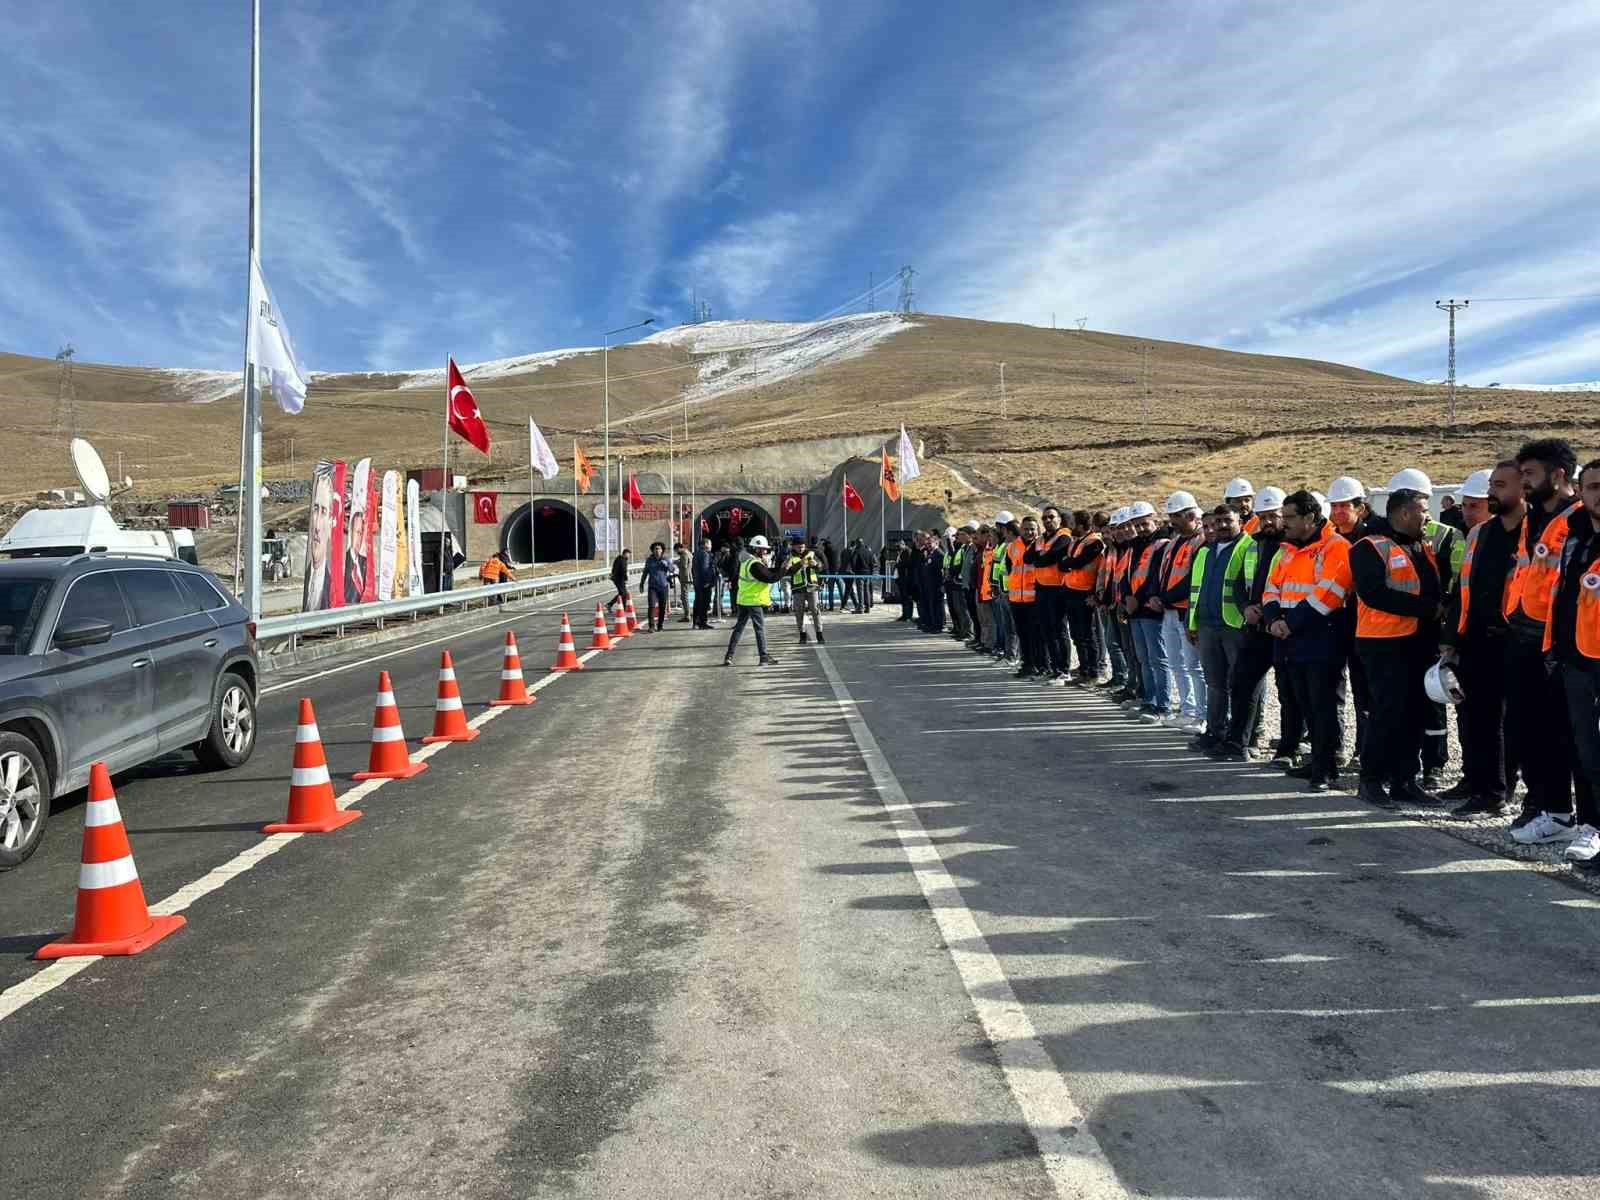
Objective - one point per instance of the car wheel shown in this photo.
(233, 725)
(24, 799)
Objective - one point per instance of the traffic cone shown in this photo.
(111, 917)
(619, 625)
(512, 689)
(388, 759)
(311, 805)
(566, 652)
(600, 640)
(633, 621)
(449, 721)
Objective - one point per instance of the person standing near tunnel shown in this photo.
(756, 575)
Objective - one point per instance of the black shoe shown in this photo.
(1478, 806)
(1433, 782)
(1459, 790)
(1410, 793)
(1371, 792)
(727, 662)
(1204, 743)
(1303, 771)
(821, 641)
(768, 661)
(1233, 752)
(804, 637)
(1320, 785)
(1023, 674)
(1284, 759)
(1527, 814)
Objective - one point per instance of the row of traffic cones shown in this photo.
(112, 917)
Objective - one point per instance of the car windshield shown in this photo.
(21, 602)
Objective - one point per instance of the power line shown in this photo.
(1533, 299)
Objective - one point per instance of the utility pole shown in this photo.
(1002, 391)
(908, 295)
(1082, 321)
(1451, 306)
(65, 413)
(1144, 406)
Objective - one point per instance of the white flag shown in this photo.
(272, 349)
(539, 453)
(908, 458)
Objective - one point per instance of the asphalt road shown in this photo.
(878, 921)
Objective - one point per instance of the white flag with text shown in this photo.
(908, 458)
(278, 367)
(539, 453)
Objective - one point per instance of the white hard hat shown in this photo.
(1119, 517)
(972, 525)
(1346, 487)
(1179, 502)
(1004, 517)
(1322, 502)
(949, 531)
(1141, 508)
(760, 543)
(1411, 480)
(1270, 499)
(1442, 685)
(1237, 488)
(1477, 486)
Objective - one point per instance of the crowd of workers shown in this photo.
(1182, 615)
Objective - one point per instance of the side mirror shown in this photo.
(83, 633)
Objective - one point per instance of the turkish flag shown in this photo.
(852, 498)
(632, 496)
(790, 508)
(486, 508)
(464, 416)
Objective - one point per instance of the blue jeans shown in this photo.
(753, 615)
(1184, 660)
(1153, 663)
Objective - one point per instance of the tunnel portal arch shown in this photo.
(736, 517)
(545, 527)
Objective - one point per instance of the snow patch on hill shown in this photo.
(204, 387)
(1592, 385)
(522, 364)
(744, 354)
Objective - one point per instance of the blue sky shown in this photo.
(490, 177)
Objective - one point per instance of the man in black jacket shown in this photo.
(706, 582)
(1401, 599)
(1573, 632)
(619, 579)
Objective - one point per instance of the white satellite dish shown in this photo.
(91, 471)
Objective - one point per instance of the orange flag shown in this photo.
(582, 468)
(886, 478)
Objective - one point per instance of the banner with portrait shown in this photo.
(324, 581)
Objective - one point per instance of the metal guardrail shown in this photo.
(291, 626)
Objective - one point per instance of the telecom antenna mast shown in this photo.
(66, 405)
(908, 296)
(1451, 306)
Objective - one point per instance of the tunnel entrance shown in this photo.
(736, 517)
(544, 531)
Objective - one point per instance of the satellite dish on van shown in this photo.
(91, 471)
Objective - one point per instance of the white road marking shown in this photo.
(1072, 1156)
(1423, 1081)
(20, 995)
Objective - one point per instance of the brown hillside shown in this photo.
(1077, 426)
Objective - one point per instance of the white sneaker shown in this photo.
(1059, 681)
(1194, 725)
(1584, 846)
(1173, 720)
(1151, 718)
(1544, 828)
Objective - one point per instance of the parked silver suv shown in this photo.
(119, 660)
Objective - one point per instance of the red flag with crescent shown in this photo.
(486, 508)
(790, 508)
(852, 498)
(634, 499)
(464, 416)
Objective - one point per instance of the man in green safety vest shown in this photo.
(1216, 622)
(757, 574)
(805, 581)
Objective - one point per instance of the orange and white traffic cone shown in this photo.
(512, 689)
(633, 621)
(449, 719)
(111, 917)
(619, 625)
(388, 759)
(566, 652)
(600, 640)
(311, 805)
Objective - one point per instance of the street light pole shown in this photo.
(605, 360)
(1002, 391)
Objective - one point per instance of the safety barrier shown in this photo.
(290, 627)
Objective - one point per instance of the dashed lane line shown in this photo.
(19, 996)
(1072, 1156)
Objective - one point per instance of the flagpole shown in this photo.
(533, 548)
(575, 546)
(672, 492)
(444, 478)
(248, 538)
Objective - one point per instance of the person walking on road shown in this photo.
(656, 580)
(805, 581)
(757, 574)
(619, 579)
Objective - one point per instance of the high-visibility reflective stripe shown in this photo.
(514, 673)
(1297, 588)
(385, 700)
(1433, 733)
(307, 733)
(309, 776)
(447, 704)
(102, 812)
(447, 673)
(1330, 586)
(115, 873)
(388, 733)
(1324, 609)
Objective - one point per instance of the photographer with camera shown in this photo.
(757, 573)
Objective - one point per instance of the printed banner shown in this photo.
(324, 585)
(414, 532)
(402, 543)
(360, 580)
(388, 535)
